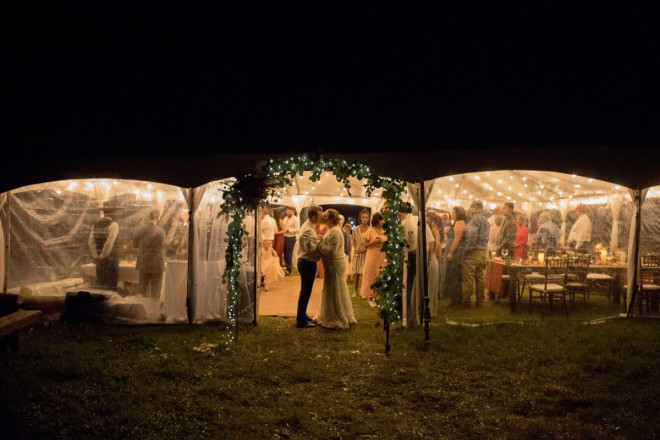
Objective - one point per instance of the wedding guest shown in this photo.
(474, 261)
(547, 234)
(176, 242)
(506, 239)
(278, 243)
(375, 259)
(359, 251)
(433, 264)
(268, 225)
(270, 265)
(446, 223)
(579, 238)
(101, 244)
(438, 232)
(291, 230)
(495, 221)
(522, 236)
(347, 241)
(454, 255)
(150, 239)
(414, 300)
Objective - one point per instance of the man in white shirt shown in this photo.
(291, 230)
(101, 244)
(308, 255)
(580, 236)
(409, 224)
(268, 225)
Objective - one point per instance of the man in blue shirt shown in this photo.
(474, 261)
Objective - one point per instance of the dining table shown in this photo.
(516, 270)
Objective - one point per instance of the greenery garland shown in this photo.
(250, 191)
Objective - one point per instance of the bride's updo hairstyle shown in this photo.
(333, 217)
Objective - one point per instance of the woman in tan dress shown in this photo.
(359, 251)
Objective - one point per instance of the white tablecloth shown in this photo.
(175, 288)
(175, 285)
(127, 271)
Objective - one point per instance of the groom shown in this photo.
(308, 255)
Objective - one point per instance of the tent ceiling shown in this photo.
(532, 189)
(326, 191)
(633, 168)
(104, 189)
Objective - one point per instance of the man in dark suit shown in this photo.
(150, 240)
(101, 244)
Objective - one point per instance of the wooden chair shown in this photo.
(600, 281)
(577, 284)
(649, 289)
(553, 286)
(528, 280)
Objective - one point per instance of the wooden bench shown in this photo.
(12, 323)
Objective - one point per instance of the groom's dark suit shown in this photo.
(308, 255)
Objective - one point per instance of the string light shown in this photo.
(246, 193)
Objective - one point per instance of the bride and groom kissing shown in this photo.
(336, 309)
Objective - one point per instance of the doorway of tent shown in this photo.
(279, 289)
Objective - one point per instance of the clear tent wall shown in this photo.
(48, 259)
(46, 229)
(609, 206)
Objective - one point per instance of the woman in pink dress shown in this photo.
(374, 260)
(522, 235)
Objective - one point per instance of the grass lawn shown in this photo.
(523, 376)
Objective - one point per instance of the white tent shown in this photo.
(610, 206)
(47, 230)
(46, 227)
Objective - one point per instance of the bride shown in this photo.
(336, 308)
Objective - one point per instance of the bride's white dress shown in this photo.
(336, 307)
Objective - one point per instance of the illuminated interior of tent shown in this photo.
(279, 293)
(48, 236)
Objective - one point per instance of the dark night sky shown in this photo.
(96, 80)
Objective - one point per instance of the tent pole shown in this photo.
(7, 243)
(257, 275)
(425, 269)
(386, 327)
(191, 255)
(638, 226)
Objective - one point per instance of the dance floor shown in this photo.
(282, 298)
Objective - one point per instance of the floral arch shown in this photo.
(250, 191)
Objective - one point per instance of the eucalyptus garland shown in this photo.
(250, 191)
